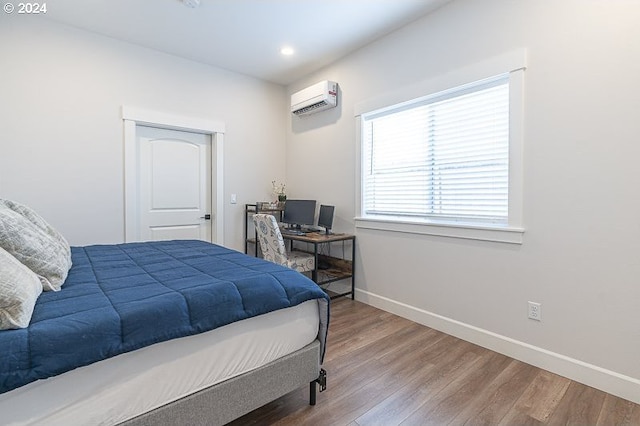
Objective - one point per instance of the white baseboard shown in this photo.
(591, 375)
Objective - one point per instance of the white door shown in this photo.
(174, 185)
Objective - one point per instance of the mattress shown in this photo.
(119, 388)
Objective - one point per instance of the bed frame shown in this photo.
(233, 398)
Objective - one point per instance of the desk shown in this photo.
(339, 269)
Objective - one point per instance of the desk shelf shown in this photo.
(339, 269)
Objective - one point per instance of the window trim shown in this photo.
(512, 63)
(500, 234)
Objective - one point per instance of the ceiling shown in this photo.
(246, 36)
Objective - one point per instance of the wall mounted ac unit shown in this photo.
(320, 96)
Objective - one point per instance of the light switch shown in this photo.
(234, 199)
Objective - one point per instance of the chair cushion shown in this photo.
(301, 261)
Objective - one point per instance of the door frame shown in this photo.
(133, 117)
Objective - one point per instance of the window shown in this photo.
(446, 160)
(445, 157)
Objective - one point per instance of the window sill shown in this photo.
(501, 234)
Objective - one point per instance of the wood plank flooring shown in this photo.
(386, 370)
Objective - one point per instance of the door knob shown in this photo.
(206, 217)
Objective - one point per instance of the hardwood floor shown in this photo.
(386, 370)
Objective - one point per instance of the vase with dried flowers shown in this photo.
(279, 190)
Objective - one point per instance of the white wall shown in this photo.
(581, 252)
(61, 138)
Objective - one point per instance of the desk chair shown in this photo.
(274, 249)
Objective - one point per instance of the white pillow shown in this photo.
(42, 224)
(28, 238)
(19, 290)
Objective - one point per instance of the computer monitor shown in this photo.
(299, 212)
(325, 217)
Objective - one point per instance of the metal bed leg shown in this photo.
(322, 381)
(312, 393)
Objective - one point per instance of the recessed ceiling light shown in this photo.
(287, 51)
(191, 3)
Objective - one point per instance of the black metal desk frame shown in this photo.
(342, 268)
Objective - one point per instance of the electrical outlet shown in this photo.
(535, 311)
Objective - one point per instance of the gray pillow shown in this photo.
(31, 240)
(19, 290)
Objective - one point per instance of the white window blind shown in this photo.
(444, 157)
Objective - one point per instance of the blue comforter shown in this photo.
(118, 298)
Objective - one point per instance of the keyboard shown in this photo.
(303, 231)
(293, 232)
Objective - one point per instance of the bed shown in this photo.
(169, 332)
